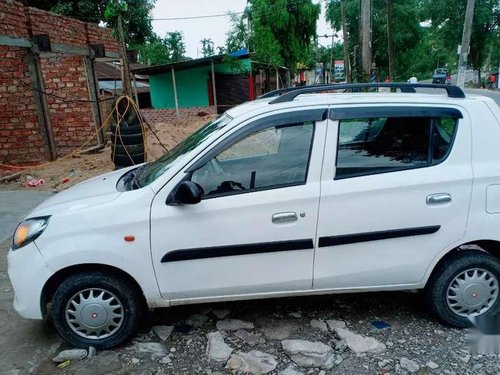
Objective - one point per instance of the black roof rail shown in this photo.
(291, 94)
(278, 92)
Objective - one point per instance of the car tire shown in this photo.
(72, 314)
(458, 281)
(126, 129)
(125, 160)
(127, 139)
(119, 149)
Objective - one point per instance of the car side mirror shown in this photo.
(187, 192)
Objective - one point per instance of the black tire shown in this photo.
(447, 271)
(128, 114)
(127, 129)
(126, 292)
(119, 149)
(127, 139)
(124, 160)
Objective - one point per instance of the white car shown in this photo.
(295, 194)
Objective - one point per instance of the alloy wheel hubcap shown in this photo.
(94, 313)
(472, 292)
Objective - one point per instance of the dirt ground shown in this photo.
(81, 167)
(410, 334)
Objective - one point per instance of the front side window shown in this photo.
(379, 145)
(276, 156)
(153, 170)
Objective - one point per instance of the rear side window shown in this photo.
(381, 145)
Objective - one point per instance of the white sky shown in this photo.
(195, 30)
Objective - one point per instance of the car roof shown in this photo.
(263, 105)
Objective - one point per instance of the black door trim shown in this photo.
(345, 239)
(393, 111)
(233, 250)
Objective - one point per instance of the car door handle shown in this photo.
(284, 217)
(438, 198)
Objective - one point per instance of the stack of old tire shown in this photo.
(127, 138)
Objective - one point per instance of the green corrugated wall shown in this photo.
(192, 87)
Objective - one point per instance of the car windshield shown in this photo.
(440, 71)
(153, 170)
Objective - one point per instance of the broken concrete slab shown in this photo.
(360, 344)
(253, 362)
(309, 354)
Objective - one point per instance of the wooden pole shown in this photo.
(277, 79)
(347, 60)
(175, 93)
(464, 50)
(94, 96)
(41, 104)
(135, 89)
(366, 50)
(390, 41)
(127, 87)
(213, 86)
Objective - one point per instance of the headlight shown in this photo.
(28, 231)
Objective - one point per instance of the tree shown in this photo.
(207, 47)
(136, 22)
(282, 30)
(407, 35)
(176, 47)
(154, 52)
(238, 35)
(446, 23)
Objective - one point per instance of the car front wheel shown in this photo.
(463, 286)
(96, 309)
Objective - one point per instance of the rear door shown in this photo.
(395, 192)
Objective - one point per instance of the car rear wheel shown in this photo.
(465, 285)
(96, 309)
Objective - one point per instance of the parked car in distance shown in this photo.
(441, 76)
(296, 193)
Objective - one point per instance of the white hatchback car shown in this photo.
(296, 193)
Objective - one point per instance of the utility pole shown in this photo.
(347, 62)
(464, 49)
(127, 87)
(390, 41)
(366, 48)
(332, 63)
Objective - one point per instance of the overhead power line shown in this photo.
(196, 17)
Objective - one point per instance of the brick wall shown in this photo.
(72, 121)
(22, 140)
(154, 116)
(12, 19)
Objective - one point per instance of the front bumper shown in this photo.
(28, 273)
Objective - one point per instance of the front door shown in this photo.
(395, 193)
(254, 230)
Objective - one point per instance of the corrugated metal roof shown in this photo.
(111, 71)
(117, 86)
(188, 64)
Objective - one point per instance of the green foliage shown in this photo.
(154, 52)
(282, 30)
(207, 47)
(176, 47)
(407, 34)
(136, 14)
(163, 50)
(238, 35)
(426, 34)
